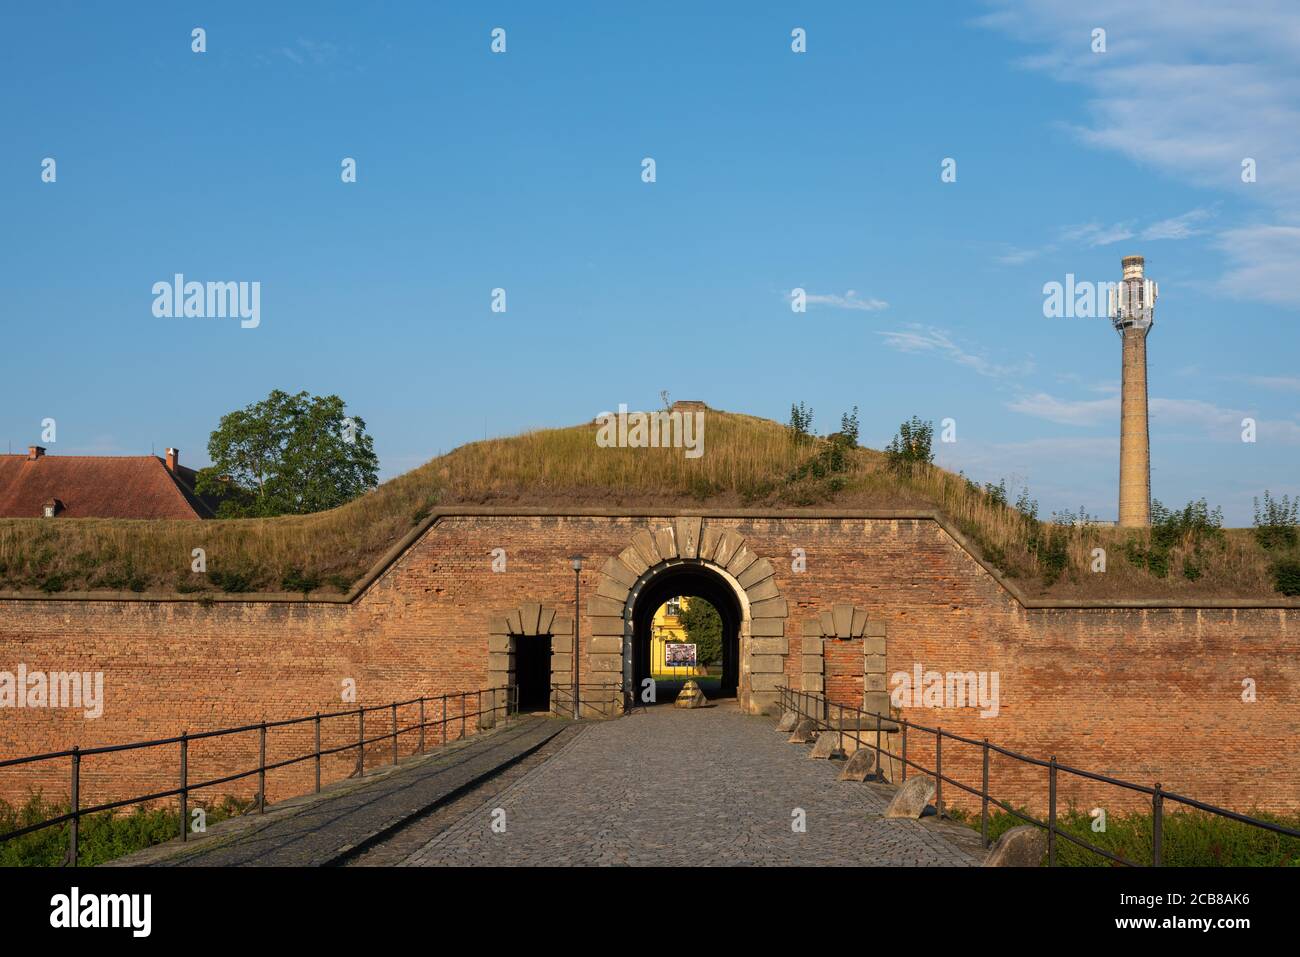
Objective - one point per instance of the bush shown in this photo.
(1286, 576)
(1275, 522)
(295, 580)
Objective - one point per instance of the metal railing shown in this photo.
(450, 717)
(804, 702)
(592, 697)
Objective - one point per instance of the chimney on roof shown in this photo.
(173, 459)
(34, 452)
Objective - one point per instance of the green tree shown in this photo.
(912, 444)
(703, 627)
(800, 427)
(288, 455)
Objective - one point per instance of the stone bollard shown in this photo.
(804, 733)
(1022, 846)
(827, 746)
(859, 766)
(788, 722)
(912, 799)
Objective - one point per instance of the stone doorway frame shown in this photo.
(506, 629)
(764, 645)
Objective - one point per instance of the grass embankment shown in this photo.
(100, 837)
(1188, 839)
(747, 462)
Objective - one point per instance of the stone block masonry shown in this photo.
(1141, 690)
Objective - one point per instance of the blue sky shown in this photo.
(775, 170)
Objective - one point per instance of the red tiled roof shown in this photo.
(93, 486)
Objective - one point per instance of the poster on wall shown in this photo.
(679, 655)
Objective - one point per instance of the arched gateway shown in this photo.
(683, 556)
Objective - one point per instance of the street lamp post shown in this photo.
(577, 633)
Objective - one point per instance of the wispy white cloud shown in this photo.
(1095, 234)
(1177, 227)
(1191, 89)
(850, 300)
(1214, 421)
(917, 338)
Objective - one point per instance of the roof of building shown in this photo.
(98, 486)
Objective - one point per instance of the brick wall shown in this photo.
(1143, 693)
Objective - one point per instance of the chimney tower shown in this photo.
(1132, 312)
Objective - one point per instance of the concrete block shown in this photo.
(666, 541)
(688, 536)
(615, 569)
(772, 608)
(761, 570)
(767, 628)
(763, 590)
(813, 682)
(813, 646)
(859, 622)
(873, 646)
(875, 628)
(771, 681)
(812, 664)
(842, 619)
(874, 664)
(769, 646)
(605, 645)
(766, 664)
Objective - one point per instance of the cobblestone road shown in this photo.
(675, 787)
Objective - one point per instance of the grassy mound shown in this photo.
(747, 462)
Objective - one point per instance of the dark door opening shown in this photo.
(533, 672)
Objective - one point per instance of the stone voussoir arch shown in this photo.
(764, 645)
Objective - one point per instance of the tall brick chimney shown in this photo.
(34, 452)
(1132, 311)
(173, 459)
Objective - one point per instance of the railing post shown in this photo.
(1051, 812)
(938, 771)
(185, 785)
(361, 741)
(73, 831)
(444, 719)
(1157, 827)
(478, 717)
(261, 768)
(903, 756)
(880, 775)
(422, 724)
(317, 728)
(984, 798)
(394, 732)
(462, 715)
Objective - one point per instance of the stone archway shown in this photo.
(763, 645)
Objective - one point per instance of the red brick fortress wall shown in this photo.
(1144, 693)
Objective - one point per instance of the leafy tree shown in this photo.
(288, 455)
(703, 627)
(912, 444)
(1275, 523)
(849, 428)
(800, 427)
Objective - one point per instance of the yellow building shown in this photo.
(667, 627)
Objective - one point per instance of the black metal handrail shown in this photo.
(462, 715)
(801, 703)
(563, 693)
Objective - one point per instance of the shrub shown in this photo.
(1275, 522)
(1286, 576)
